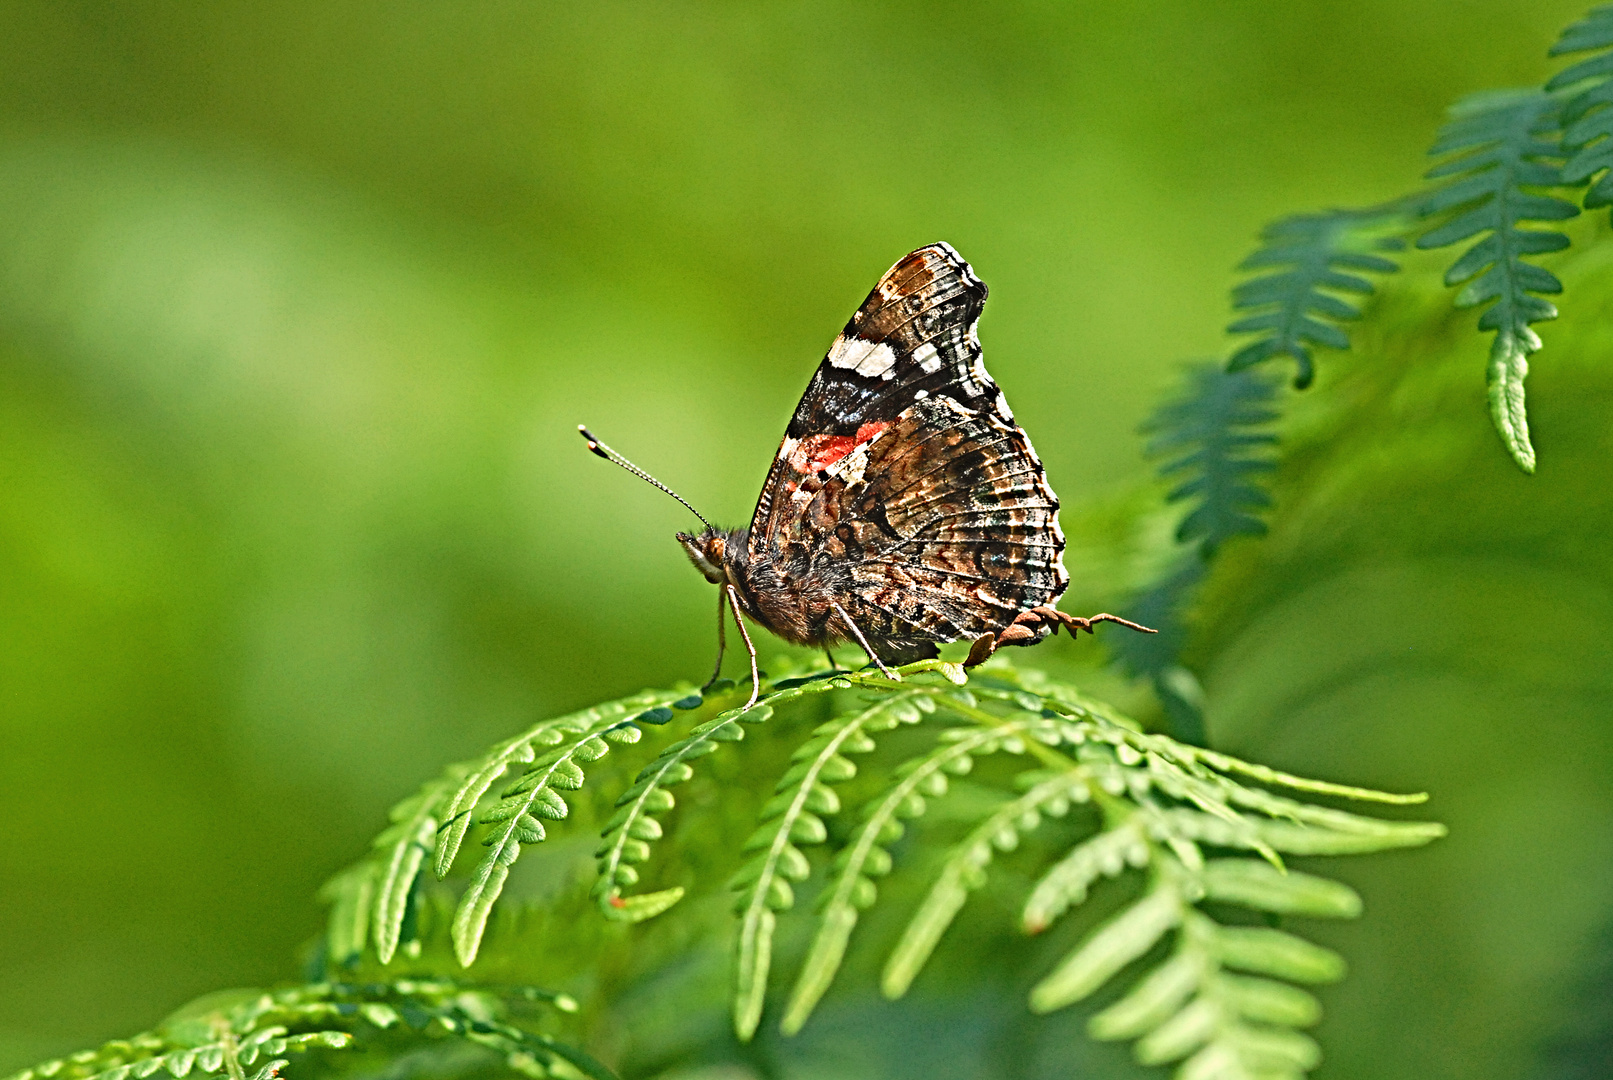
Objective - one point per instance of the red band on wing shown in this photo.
(817, 452)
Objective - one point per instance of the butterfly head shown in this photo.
(709, 552)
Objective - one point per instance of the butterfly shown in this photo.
(905, 507)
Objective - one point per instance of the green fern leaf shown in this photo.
(852, 888)
(403, 848)
(1321, 255)
(351, 895)
(1212, 440)
(558, 769)
(1066, 884)
(964, 869)
(222, 1035)
(440, 815)
(803, 792)
(1216, 447)
(1506, 144)
(1113, 945)
(515, 820)
(1190, 1007)
(627, 835)
(1587, 120)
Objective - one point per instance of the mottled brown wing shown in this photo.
(941, 526)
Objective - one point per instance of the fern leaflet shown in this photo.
(1506, 144)
(1212, 435)
(1317, 252)
(1223, 1001)
(853, 888)
(1587, 120)
(1216, 447)
(629, 833)
(1172, 809)
(789, 820)
(224, 1034)
(371, 901)
(964, 870)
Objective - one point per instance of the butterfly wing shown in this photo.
(903, 490)
(914, 336)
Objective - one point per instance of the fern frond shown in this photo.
(1506, 144)
(964, 868)
(225, 1034)
(789, 821)
(1587, 120)
(1319, 256)
(1164, 806)
(629, 833)
(371, 901)
(1190, 1006)
(1214, 439)
(852, 888)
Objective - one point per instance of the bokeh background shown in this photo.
(300, 304)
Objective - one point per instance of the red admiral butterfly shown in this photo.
(905, 507)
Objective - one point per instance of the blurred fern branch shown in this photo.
(1506, 145)
(1216, 444)
(1319, 256)
(225, 1034)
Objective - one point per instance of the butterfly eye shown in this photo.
(706, 554)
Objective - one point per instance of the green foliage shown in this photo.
(1587, 120)
(370, 902)
(1315, 253)
(627, 835)
(1163, 805)
(1216, 446)
(1172, 811)
(791, 819)
(1213, 440)
(1506, 144)
(227, 1033)
(1503, 149)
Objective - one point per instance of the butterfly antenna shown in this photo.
(608, 454)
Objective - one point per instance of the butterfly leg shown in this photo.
(722, 641)
(1032, 626)
(867, 648)
(739, 621)
(831, 657)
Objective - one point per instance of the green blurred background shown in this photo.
(300, 305)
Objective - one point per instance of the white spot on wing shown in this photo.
(920, 395)
(929, 360)
(1002, 407)
(874, 360)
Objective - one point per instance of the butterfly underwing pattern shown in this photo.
(905, 507)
